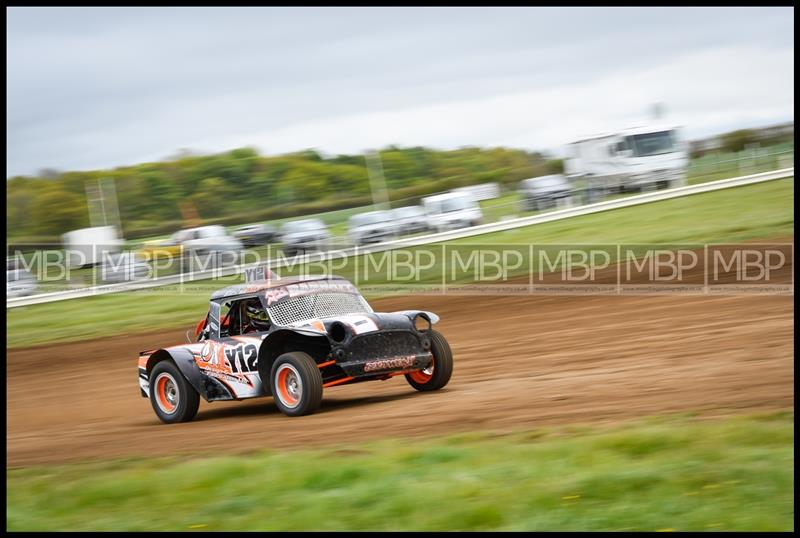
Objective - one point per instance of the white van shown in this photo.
(452, 210)
(88, 246)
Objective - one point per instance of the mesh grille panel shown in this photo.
(320, 305)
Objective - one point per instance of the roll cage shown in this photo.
(224, 317)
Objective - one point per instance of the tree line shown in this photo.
(242, 186)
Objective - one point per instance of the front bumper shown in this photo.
(384, 352)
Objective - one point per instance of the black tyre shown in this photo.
(438, 374)
(296, 384)
(172, 397)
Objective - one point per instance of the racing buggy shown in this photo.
(290, 338)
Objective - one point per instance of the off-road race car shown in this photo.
(290, 338)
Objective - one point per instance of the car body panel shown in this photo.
(371, 227)
(20, 282)
(411, 219)
(254, 235)
(451, 211)
(545, 191)
(304, 234)
(348, 346)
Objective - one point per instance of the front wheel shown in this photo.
(438, 373)
(296, 384)
(172, 397)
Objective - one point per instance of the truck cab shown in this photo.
(635, 159)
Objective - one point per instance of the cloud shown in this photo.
(91, 88)
(701, 92)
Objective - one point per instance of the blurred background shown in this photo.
(146, 143)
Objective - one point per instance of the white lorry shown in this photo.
(639, 158)
(90, 246)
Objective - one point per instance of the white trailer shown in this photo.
(640, 158)
(90, 246)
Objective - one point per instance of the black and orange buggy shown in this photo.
(290, 338)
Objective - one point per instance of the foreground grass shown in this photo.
(753, 212)
(676, 473)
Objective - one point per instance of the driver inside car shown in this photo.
(255, 317)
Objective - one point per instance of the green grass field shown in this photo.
(663, 473)
(717, 166)
(760, 211)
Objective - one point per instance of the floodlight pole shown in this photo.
(108, 208)
(377, 182)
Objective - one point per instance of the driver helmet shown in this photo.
(257, 316)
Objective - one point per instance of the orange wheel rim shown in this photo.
(166, 393)
(423, 376)
(289, 386)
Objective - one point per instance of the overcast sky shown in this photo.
(94, 88)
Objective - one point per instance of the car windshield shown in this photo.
(457, 204)
(303, 226)
(373, 217)
(651, 143)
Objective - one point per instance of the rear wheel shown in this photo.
(296, 384)
(438, 373)
(172, 397)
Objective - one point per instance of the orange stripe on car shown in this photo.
(337, 382)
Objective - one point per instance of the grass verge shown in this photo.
(663, 473)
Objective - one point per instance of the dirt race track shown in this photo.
(520, 362)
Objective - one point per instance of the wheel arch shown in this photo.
(286, 340)
(184, 360)
(425, 314)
